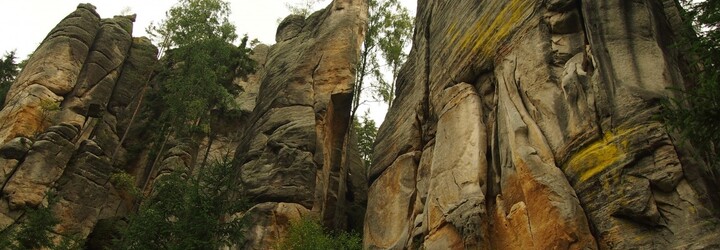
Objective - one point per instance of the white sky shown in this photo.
(24, 23)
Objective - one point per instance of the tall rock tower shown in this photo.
(295, 155)
(530, 125)
(63, 120)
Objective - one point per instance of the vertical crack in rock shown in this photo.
(424, 132)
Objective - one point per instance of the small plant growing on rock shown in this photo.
(125, 183)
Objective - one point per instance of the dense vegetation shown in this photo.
(200, 61)
(696, 114)
(191, 208)
(366, 132)
(188, 212)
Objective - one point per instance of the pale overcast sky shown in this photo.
(24, 23)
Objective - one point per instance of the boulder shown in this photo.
(16, 148)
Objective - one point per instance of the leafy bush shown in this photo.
(308, 234)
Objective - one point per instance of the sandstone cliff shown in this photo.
(75, 117)
(517, 125)
(294, 155)
(64, 118)
(529, 125)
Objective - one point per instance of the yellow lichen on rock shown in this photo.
(600, 155)
(487, 33)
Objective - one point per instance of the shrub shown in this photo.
(307, 234)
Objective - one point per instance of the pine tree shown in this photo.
(8, 71)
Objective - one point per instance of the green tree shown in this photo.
(34, 233)
(8, 71)
(368, 64)
(194, 21)
(366, 133)
(394, 34)
(200, 62)
(188, 212)
(696, 113)
(389, 30)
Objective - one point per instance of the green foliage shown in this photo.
(389, 32)
(35, 232)
(47, 107)
(8, 71)
(366, 133)
(188, 212)
(395, 31)
(696, 114)
(193, 21)
(200, 63)
(125, 182)
(308, 234)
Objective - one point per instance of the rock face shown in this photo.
(75, 118)
(293, 149)
(529, 125)
(517, 125)
(64, 118)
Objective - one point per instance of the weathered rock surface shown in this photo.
(294, 147)
(74, 118)
(57, 136)
(271, 221)
(529, 125)
(517, 125)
